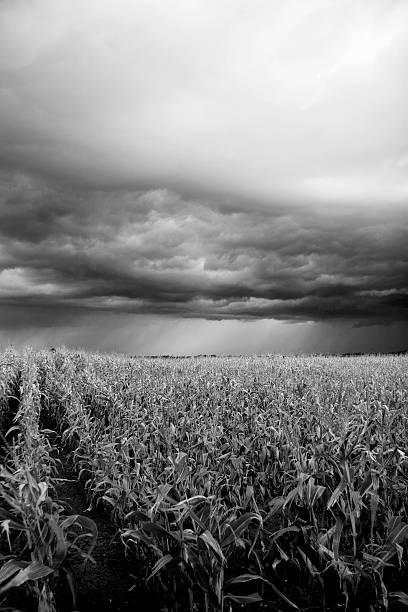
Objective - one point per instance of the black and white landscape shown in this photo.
(203, 305)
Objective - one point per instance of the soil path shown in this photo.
(104, 585)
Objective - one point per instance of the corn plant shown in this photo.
(37, 538)
(314, 447)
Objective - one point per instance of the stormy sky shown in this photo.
(217, 176)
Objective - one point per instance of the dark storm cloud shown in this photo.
(157, 253)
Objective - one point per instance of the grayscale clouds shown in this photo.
(154, 252)
(204, 161)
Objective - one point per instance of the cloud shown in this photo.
(156, 252)
(216, 163)
(289, 101)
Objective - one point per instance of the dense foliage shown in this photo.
(263, 482)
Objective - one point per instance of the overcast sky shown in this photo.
(220, 176)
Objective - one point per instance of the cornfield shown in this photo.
(256, 483)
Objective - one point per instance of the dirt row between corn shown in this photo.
(106, 582)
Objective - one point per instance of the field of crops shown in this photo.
(261, 483)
